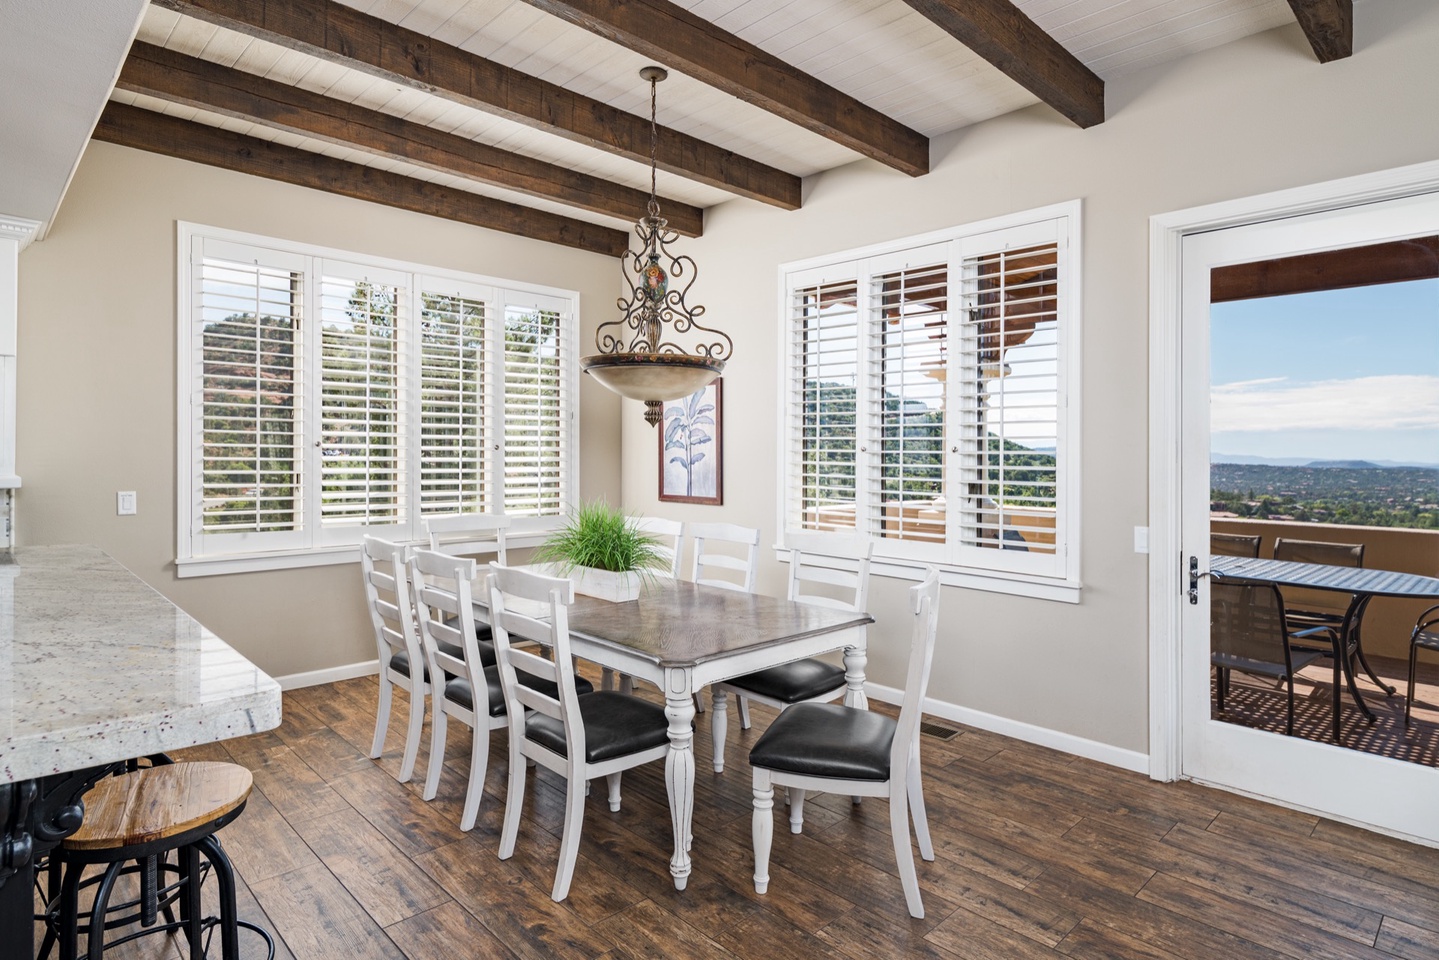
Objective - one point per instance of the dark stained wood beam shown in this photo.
(339, 34)
(1001, 33)
(167, 75)
(146, 130)
(676, 38)
(1328, 25)
(1396, 261)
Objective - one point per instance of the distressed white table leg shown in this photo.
(680, 769)
(855, 660)
(719, 723)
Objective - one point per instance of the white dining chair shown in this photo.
(469, 534)
(578, 736)
(837, 749)
(671, 537)
(445, 608)
(827, 570)
(707, 560)
(397, 645)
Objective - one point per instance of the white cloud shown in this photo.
(1364, 403)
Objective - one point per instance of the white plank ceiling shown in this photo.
(881, 52)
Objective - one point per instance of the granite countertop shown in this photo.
(96, 666)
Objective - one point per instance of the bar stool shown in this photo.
(132, 822)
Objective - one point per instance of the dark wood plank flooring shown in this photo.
(1039, 855)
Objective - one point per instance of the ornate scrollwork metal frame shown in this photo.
(656, 308)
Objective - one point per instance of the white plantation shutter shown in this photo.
(245, 339)
(907, 323)
(824, 376)
(362, 385)
(325, 397)
(928, 404)
(538, 363)
(1008, 470)
(453, 380)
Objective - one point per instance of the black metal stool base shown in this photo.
(63, 915)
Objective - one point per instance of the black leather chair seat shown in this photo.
(792, 682)
(827, 740)
(615, 725)
(458, 689)
(401, 661)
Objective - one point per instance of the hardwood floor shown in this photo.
(1038, 855)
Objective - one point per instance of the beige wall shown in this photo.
(96, 396)
(1254, 116)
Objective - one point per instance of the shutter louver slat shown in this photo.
(824, 406)
(536, 434)
(361, 403)
(452, 391)
(248, 336)
(1010, 353)
(909, 324)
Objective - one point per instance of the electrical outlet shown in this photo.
(125, 503)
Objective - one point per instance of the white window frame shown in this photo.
(991, 570)
(313, 545)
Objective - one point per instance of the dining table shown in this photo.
(1360, 583)
(97, 668)
(683, 636)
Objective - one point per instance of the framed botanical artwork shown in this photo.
(691, 448)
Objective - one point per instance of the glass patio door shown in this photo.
(1386, 793)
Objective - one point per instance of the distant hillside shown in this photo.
(1241, 458)
(1327, 491)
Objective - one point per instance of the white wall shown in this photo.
(1254, 116)
(97, 378)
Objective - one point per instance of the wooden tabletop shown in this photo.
(158, 802)
(682, 624)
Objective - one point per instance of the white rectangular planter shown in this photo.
(606, 585)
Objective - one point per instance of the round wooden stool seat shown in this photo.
(158, 802)
(135, 824)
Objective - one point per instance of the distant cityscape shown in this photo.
(1360, 492)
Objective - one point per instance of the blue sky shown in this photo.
(1344, 374)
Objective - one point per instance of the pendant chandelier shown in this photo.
(639, 357)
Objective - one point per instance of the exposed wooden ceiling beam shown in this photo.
(1001, 33)
(676, 38)
(1329, 25)
(1395, 261)
(146, 130)
(167, 75)
(339, 34)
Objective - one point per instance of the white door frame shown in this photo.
(1166, 583)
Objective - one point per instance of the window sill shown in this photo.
(990, 581)
(221, 565)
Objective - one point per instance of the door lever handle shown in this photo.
(1194, 574)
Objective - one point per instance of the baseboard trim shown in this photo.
(314, 678)
(1131, 760)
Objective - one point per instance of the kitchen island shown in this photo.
(97, 667)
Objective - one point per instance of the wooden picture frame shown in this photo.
(691, 445)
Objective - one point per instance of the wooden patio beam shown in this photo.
(1001, 33)
(175, 77)
(672, 36)
(339, 34)
(1328, 25)
(146, 130)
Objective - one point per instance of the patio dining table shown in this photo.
(1362, 585)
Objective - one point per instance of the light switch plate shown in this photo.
(125, 503)
(1141, 539)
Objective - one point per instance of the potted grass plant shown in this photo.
(603, 551)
